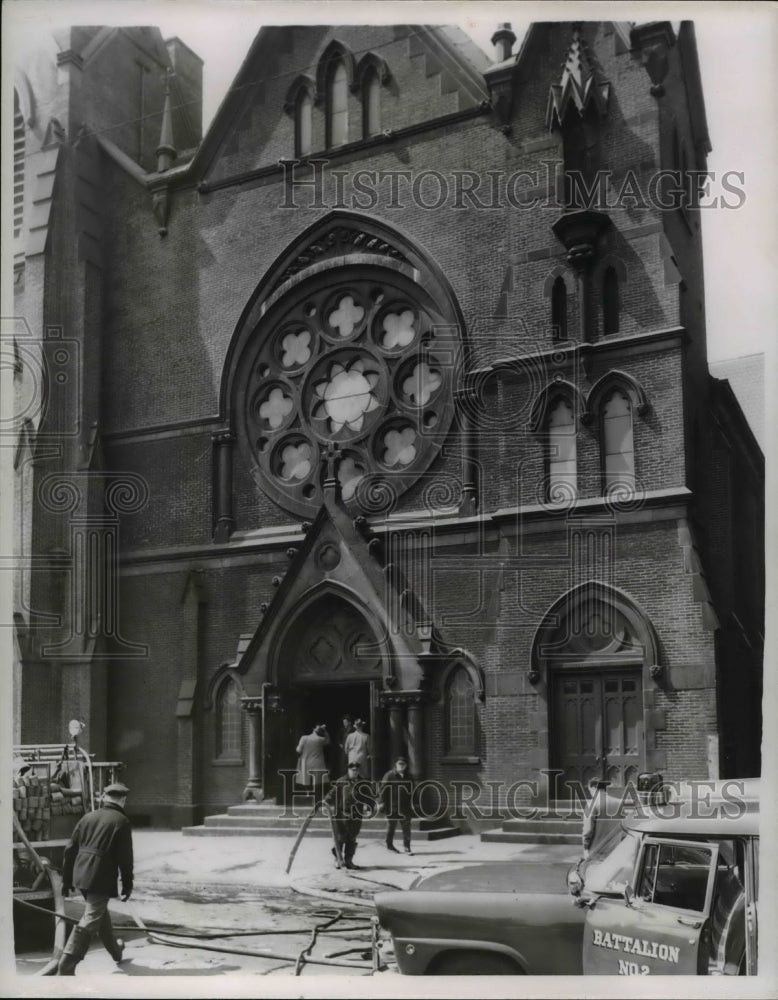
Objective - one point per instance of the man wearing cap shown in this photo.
(99, 850)
(350, 799)
(396, 795)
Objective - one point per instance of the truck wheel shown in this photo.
(474, 963)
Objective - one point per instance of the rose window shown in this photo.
(346, 316)
(362, 359)
(295, 461)
(350, 474)
(296, 349)
(276, 408)
(346, 396)
(399, 446)
(398, 329)
(422, 384)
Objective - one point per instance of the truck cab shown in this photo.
(689, 906)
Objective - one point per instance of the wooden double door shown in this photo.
(597, 728)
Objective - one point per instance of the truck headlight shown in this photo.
(575, 882)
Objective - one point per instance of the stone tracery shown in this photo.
(350, 361)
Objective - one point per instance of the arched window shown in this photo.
(559, 309)
(303, 123)
(371, 104)
(460, 714)
(19, 143)
(610, 302)
(337, 105)
(562, 480)
(229, 722)
(617, 444)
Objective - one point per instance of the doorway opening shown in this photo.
(329, 704)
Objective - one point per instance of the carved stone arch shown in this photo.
(460, 658)
(566, 274)
(567, 634)
(302, 84)
(303, 610)
(616, 379)
(371, 61)
(561, 389)
(335, 51)
(340, 234)
(226, 672)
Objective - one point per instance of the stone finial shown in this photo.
(578, 86)
(166, 151)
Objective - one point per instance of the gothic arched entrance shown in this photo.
(593, 654)
(329, 663)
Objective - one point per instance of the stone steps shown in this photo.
(556, 823)
(529, 837)
(268, 819)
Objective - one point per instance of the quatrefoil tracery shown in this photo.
(352, 363)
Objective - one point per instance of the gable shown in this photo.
(339, 562)
(425, 73)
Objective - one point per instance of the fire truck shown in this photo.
(671, 890)
(54, 784)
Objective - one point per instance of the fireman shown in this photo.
(99, 850)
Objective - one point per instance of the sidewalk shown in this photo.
(240, 884)
(169, 858)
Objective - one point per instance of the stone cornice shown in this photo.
(661, 339)
(653, 505)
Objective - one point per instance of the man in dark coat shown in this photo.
(350, 799)
(98, 851)
(396, 798)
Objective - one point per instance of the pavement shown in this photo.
(260, 918)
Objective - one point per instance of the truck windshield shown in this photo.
(611, 868)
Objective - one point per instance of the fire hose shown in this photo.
(186, 939)
(189, 939)
(299, 960)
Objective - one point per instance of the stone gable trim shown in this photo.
(340, 152)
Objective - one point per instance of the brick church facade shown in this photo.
(387, 396)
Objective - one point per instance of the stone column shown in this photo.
(253, 789)
(580, 233)
(394, 705)
(223, 442)
(416, 736)
(396, 740)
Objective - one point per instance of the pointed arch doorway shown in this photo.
(594, 652)
(329, 662)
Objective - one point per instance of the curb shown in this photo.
(308, 890)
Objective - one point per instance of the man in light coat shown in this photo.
(99, 850)
(311, 764)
